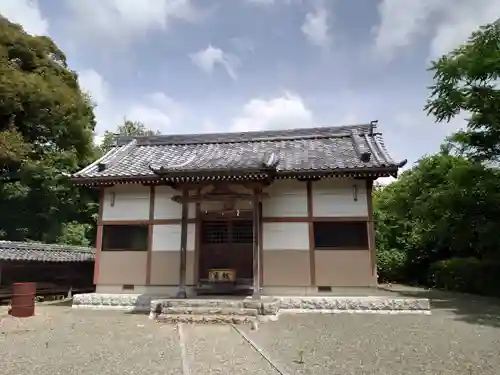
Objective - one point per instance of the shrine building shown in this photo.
(263, 213)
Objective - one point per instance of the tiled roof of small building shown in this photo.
(41, 252)
(296, 151)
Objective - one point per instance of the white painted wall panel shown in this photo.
(287, 198)
(285, 236)
(166, 208)
(335, 197)
(167, 237)
(131, 202)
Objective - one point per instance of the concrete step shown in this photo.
(207, 319)
(208, 310)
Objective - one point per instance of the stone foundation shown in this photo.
(264, 309)
(354, 304)
(139, 303)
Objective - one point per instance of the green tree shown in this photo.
(128, 128)
(446, 206)
(465, 81)
(46, 127)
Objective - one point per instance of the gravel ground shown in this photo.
(61, 340)
(214, 349)
(381, 344)
(461, 337)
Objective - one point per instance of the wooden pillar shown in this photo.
(371, 229)
(183, 255)
(256, 244)
(152, 193)
(98, 241)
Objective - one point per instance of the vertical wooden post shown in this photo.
(152, 193)
(371, 229)
(98, 241)
(310, 220)
(183, 255)
(256, 244)
(197, 240)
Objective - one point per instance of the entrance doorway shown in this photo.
(227, 243)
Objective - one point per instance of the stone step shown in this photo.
(207, 319)
(208, 310)
(209, 303)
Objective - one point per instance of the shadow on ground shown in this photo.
(465, 307)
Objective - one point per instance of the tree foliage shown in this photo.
(446, 206)
(128, 128)
(466, 80)
(46, 127)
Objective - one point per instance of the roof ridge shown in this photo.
(248, 137)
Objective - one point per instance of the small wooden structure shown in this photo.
(56, 269)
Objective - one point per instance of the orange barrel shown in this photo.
(23, 300)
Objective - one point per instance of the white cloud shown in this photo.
(261, 2)
(26, 13)
(271, 2)
(124, 20)
(92, 83)
(207, 59)
(316, 28)
(287, 111)
(460, 22)
(449, 23)
(156, 110)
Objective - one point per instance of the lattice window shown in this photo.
(214, 232)
(226, 231)
(242, 231)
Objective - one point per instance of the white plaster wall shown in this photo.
(287, 198)
(166, 208)
(285, 236)
(167, 237)
(335, 197)
(131, 202)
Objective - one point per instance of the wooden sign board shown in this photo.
(221, 275)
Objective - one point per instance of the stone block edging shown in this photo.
(356, 304)
(287, 304)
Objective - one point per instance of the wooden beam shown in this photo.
(218, 197)
(183, 254)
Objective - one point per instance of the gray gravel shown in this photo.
(462, 337)
(61, 340)
(381, 344)
(215, 349)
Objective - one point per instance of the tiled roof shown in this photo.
(41, 252)
(326, 149)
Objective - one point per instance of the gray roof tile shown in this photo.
(41, 252)
(298, 150)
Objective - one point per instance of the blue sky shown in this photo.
(184, 66)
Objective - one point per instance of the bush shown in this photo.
(467, 275)
(391, 265)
